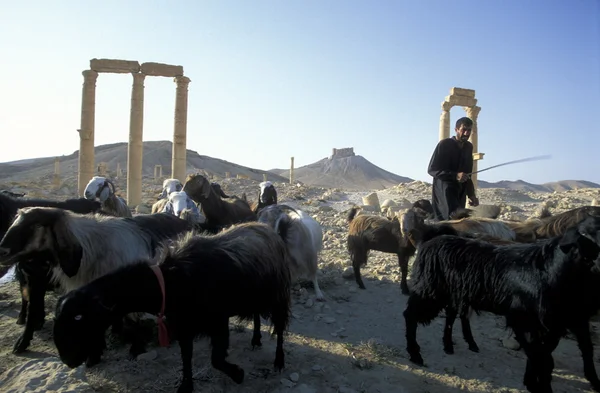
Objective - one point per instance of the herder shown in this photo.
(450, 163)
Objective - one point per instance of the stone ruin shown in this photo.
(339, 153)
(136, 122)
(465, 98)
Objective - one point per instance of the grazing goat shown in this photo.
(426, 206)
(542, 289)
(199, 284)
(100, 187)
(369, 232)
(181, 205)
(266, 196)
(218, 212)
(304, 239)
(84, 247)
(33, 283)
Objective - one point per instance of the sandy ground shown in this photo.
(353, 342)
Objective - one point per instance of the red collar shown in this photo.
(163, 334)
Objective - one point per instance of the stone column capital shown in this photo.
(90, 76)
(472, 112)
(446, 106)
(138, 78)
(182, 81)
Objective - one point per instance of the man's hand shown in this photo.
(474, 201)
(462, 177)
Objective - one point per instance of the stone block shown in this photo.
(461, 101)
(478, 156)
(458, 91)
(159, 69)
(114, 66)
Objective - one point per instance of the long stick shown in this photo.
(536, 158)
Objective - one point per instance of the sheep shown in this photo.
(266, 196)
(33, 283)
(218, 212)
(542, 289)
(180, 205)
(242, 271)
(303, 236)
(100, 187)
(369, 232)
(83, 247)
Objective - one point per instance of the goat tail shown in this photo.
(352, 213)
(282, 226)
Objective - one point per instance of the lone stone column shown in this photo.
(135, 148)
(179, 159)
(86, 130)
(472, 113)
(291, 170)
(445, 120)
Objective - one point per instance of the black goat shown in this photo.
(542, 289)
(34, 282)
(242, 271)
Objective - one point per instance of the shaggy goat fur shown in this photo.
(369, 232)
(33, 283)
(100, 187)
(218, 212)
(84, 247)
(542, 289)
(241, 272)
(303, 236)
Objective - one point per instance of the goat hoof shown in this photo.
(256, 342)
(21, 320)
(473, 347)
(92, 361)
(449, 350)
(20, 346)
(417, 359)
(237, 375)
(187, 386)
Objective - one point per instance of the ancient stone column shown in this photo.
(86, 130)
(472, 113)
(445, 120)
(135, 148)
(179, 159)
(56, 178)
(264, 177)
(292, 170)
(119, 173)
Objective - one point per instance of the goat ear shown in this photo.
(104, 193)
(67, 249)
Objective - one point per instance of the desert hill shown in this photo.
(155, 153)
(343, 169)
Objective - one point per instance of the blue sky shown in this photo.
(275, 79)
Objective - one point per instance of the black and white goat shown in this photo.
(81, 248)
(266, 196)
(100, 187)
(34, 282)
(303, 236)
(242, 271)
(542, 289)
(181, 205)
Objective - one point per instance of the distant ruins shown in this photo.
(136, 121)
(466, 99)
(339, 153)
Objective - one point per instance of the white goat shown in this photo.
(169, 186)
(178, 203)
(100, 187)
(303, 236)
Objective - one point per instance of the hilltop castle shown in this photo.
(339, 153)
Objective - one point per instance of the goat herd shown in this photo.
(223, 257)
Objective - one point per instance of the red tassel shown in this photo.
(163, 334)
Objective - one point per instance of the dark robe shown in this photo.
(447, 160)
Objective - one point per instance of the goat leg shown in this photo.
(467, 333)
(35, 314)
(186, 346)
(584, 341)
(220, 344)
(256, 336)
(97, 349)
(535, 361)
(412, 347)
(447, 340)
(22, 318)
(279, 327)
(403, 258)
(359, 258)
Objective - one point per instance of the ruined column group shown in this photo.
(136, 121)
(466, 99)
